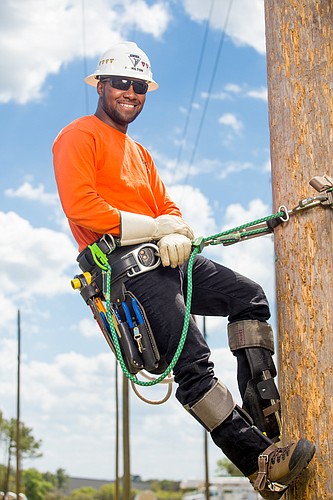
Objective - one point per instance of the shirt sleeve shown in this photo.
(74, 159)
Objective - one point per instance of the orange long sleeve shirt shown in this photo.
(100, 171)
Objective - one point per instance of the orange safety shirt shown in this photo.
(100, 171)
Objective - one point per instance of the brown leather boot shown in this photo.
(278, 467)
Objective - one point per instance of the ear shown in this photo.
(100, 88)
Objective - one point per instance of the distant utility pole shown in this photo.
(207, 496)
(18, 415)
(126, 441)
(299, 36)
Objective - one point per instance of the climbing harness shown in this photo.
(128, 333)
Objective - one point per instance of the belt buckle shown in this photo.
(138, 255)
(109, 245)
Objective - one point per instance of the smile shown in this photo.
(125, 105)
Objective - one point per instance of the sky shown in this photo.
(207, 129)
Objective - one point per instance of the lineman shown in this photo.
(109, 185)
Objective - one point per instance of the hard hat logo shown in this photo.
(135, 59)
(115, 62)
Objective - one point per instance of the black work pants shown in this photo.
(217, 291)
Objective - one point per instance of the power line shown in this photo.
(203, 116)
(196, 79)
(84, 49)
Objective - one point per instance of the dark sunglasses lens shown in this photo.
(140, 87)
(123, 84)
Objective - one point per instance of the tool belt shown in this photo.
(126, 262)
(135, 336)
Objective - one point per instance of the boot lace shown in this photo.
(280, 454)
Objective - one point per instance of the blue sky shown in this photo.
(47, 47)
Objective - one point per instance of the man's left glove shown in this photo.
(174, 249)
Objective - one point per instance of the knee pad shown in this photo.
(213, 408)
(252, 342)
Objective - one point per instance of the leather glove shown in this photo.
(167, 224)
(138, 228)
(175, 249)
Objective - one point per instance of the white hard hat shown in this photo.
(124, 59)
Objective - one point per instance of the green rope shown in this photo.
(175, 358)
(198, 244)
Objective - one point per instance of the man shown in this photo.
(109, 185)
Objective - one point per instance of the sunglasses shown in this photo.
(139, 87)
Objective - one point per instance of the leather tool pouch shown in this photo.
(143, 335)
(135, 336)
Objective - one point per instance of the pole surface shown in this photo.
(299, 37)
(18, 410)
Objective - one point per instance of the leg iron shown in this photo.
(253, 345)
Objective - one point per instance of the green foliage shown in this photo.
(36, 488)
(55, 495)
(85, 493)
(106, 492)
(227, 468)
(164, 485)
(29, 447)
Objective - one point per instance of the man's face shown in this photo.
(120, 106)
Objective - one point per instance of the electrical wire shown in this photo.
(196, 80)
(203, 116)
(84, 50)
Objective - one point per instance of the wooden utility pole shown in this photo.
(116, 490)
(18, 414)
(205, 432)
(126, 441)
(299, 36)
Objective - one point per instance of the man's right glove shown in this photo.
(138, 228)
(175, 249)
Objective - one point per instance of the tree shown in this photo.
(84, 493)
(61, 479)
(58, 480)
(106, 492)
(36, 488)
(29, 447)
(227, 468)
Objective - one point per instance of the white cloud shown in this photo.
(258, 94)
(246, 24)
(255, 257)
(33, 261)
(152, 19)
(233, 167)
(28, 192)
(38, 37)
(232, 89)
(218, 96)
(169, 171)
(230, 120)
(195, 208)
(87, 327)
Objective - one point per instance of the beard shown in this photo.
(117, 116)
